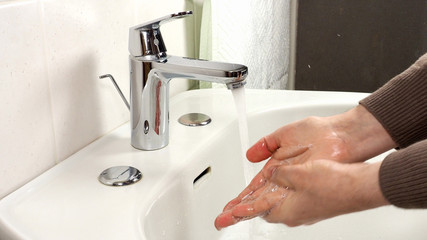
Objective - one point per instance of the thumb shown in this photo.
(263, 149)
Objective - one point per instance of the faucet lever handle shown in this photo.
(145, 40)
(155, 24)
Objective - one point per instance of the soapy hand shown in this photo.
(309, 192)
(292, 144)
(354, 136)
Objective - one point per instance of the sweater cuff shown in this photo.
(403, 176)
(400, 105)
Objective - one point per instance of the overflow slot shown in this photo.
(201, 177)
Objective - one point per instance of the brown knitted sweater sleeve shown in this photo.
(401, 107)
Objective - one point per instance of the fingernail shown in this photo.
(216, 225)
(224, 220)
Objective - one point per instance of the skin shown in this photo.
(314, 171)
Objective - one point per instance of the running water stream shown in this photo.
(255, 229)
(240, 103)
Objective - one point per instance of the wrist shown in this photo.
(363, 134)
(367, 191)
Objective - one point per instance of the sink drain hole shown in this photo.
(201, 177)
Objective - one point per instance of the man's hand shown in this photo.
(354, 136)
(310, 192)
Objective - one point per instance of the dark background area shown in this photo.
(357, 45)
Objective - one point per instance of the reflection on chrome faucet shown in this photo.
(151, 69)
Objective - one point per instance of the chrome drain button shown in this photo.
(120, 176)
(195, 119)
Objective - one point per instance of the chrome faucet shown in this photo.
(151, 69)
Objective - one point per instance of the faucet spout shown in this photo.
(151, 69)
(149, 98)
(203, 70)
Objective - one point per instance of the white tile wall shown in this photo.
(51, 54)
(27, 145)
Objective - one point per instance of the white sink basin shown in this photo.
(186, 184)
